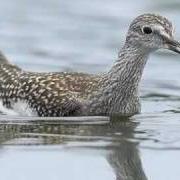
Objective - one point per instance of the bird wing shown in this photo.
(57, 94)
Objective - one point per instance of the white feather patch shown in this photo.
(20, 108)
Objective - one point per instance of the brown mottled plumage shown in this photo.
(112, 93)
(49, 94)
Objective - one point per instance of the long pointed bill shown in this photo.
(172, 45)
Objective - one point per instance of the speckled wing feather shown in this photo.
(56, 94)
(9, 84)
(48, 94)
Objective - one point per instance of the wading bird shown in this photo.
(115, 92)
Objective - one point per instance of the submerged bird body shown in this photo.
(47, 94)
(74, 94)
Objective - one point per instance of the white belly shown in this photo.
(20, 108)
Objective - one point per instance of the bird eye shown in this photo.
(147, 30)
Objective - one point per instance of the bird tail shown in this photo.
(3, 58)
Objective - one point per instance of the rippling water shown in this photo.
(85, 35)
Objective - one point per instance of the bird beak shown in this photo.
(172, 44)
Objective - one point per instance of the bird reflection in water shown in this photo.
(122, 148)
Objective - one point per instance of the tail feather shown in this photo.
(3, 58)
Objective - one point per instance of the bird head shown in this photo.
(152, 32)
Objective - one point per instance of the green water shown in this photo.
(84, 35)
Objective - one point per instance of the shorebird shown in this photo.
(115, 92)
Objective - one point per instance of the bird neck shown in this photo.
(119, 87)
(127, 71)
